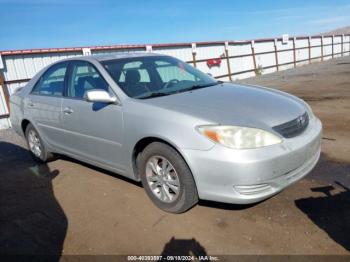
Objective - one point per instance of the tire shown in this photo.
(36, 145)
(170, 187)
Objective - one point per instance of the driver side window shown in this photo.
(85, 77)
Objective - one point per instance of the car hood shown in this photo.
(232, 104)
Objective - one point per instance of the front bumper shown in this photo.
(248, 176)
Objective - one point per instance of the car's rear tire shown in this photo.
(167, 179)
(36, 145)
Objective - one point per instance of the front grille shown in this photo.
(294, 127)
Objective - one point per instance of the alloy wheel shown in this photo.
(34, 143)
(162, 179)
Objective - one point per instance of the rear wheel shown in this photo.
(35, 144)
(167, 179)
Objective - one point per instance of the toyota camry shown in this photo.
(158, 120)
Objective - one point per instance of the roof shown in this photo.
(123, 55)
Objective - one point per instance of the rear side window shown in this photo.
(51, 82)
(85, 77)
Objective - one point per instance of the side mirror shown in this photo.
(99, 95)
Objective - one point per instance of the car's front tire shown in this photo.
(35, 145)
(167, 179)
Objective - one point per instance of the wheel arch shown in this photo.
(143, 143)
(24, 125)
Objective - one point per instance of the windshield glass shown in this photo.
(152, 76)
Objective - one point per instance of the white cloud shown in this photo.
(329, 20)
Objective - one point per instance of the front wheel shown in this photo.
(167, 179)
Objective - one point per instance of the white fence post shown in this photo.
(252, 44)
(149, 48)
(194, 53)
(294, 52)
(86, 51)
(322, 54)
(228, 61)
(276, 54)
(309, 41)
(332, 46)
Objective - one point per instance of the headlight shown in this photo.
(239, 137)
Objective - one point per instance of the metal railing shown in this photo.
(228, 55)
(277, 65)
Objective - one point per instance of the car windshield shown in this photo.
(153, 76)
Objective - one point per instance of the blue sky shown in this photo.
(45, 23)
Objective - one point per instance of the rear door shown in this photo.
(93, 131)
(43, 104)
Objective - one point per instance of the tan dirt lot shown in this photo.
(66, 207)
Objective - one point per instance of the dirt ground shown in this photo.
(66, 207)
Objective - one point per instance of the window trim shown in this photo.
(44, 73)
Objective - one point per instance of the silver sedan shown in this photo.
(158, 120)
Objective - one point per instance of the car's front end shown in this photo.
(244, 176)
(262, 140)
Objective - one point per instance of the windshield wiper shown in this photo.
(202, 86)
(156, 94)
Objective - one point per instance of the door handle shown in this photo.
(68, 110)
(30, 104)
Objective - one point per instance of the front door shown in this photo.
(93, 131)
